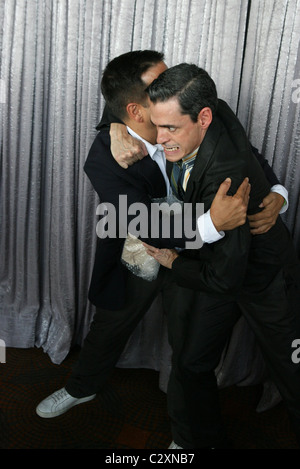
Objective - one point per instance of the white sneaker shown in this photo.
(173, 445)
(58, 403)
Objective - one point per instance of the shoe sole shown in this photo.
(50, 415)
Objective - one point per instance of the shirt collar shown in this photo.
(190, 157)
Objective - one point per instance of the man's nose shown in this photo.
(162, 136)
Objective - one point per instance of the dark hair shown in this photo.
(121, 81)
(192, 85)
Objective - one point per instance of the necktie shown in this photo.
(181, 172)
(176, 178)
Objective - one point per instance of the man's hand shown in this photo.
(261, 222)
(229, 212)
(125, 149)
(164, 256)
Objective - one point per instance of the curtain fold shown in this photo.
(269, 105)
(53, 53)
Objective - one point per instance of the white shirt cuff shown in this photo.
(282, 191)
(207, 229)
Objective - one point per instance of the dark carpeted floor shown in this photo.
(129, 414)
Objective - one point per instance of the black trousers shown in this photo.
(110, 331)
(275, 326)
(198, 327)
(189, 312)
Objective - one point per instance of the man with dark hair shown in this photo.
(122, 81)
(244, 271)
(122, 298)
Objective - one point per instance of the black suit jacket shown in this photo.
(240, 261)
(141, 182)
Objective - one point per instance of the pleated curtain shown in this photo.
(53, 53)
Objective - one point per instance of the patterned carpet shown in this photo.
(129, 414)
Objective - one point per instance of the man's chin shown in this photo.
(173, 158)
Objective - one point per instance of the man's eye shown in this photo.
(172, 129)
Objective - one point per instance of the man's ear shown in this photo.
(134, 112)
(205, 117)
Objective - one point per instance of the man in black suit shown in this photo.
(240, 271)
(121, 297)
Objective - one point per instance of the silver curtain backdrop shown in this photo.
(53, 53)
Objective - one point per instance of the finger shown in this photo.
(265, 203)
(257, 223)
(139, 151)
(268, 221)
(155, 255)
(140, 156)
(150, 253)
(123, 165)
(247, 194)
(254, 222)
(224, 187)
(257, 217)
(133, 157)
(151, 249)
(148, 246)
(261, 230)
(242, 190)
(254, 226)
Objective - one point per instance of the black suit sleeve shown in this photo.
(269, 173)
(223, 272)
(232, 124)
(238, 265)
(218, 268)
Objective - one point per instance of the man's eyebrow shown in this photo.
(167, 126)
